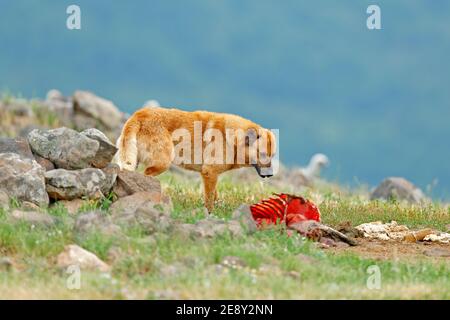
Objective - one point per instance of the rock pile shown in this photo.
(64, 164)
(83, 110)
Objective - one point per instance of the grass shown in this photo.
(170, 266)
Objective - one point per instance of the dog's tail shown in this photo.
(127, 155)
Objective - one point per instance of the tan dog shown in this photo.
(158, 137)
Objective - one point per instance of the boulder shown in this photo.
(210, 228)
(45, 163)
(102, 110)
(400, 189)
(4, 200)
(65, 147)
(244, 216)
(96, 221)
(17, 145)
(72, 206)
(32, 217)
(128, 205)
(6, 264)
(71, 184)
(149, 215)
(18, 107)
(74, 255)
(106, 150)
(129, 182)
(23, 179)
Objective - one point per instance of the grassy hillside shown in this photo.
(375, 101)
(267, 265)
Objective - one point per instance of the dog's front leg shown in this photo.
(209, 187)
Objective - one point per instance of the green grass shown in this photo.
(171, 266)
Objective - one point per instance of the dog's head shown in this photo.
(260, 148)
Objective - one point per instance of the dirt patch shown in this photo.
(397, 250)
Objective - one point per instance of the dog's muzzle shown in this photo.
(265, 172)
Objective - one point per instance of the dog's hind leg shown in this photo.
(157, 154)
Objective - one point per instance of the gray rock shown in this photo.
(45, 163)
(400, 189)
(27, 129)
(19, 107)
(244, 216)
(65, 147)
(23, 179)
(129, 182)
(32, 217)
(106, 151)
(29, 206)
(71, 184)
(100, 109)
(55, 94)
(16, 145)
(233, 262)
(129, 204)
(148, 215)
(96, 221)
(209, 228)
(4, 200)
(74, 255)
(6, 264)
(72, 206)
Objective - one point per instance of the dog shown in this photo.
(159, 137)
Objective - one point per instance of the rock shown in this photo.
(32, 217)
(27, 129)
(4, 200)
(45, 163)
(106, 151)
(305, 259)
(148, 215)
(55, 94)
(29, 206)
(210, 228)
(74, 255)
(103, 110)
(65, 147)
(233, 262)
(72, 206)
(6, 264)
(437, 252)
(400, 189)
(129, 205)
(243, 215)
(17, 145)
(23, 179)
(19, 107)
(71, 184)
(96, 221)
(129, 182)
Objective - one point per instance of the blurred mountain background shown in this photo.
(377, 102)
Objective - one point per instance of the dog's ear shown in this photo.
(251, 136)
